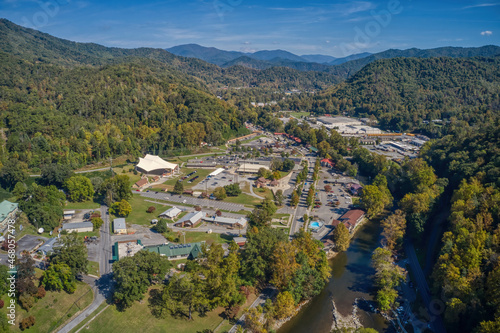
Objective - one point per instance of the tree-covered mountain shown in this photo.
(75, 116)
(406, 93)
(35, 46)
(208, 54)
(319, 58)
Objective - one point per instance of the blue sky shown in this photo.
(336, 28)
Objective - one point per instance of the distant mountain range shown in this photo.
(319, 62)
(267, 58)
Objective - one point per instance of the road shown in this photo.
(266, 294)
(101, 287)
(436, 322)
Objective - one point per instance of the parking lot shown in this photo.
(195, 201)
(28, 243)
(144, 234)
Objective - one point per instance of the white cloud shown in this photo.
(481, 5)
(486, 33)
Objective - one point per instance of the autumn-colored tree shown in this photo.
(341, 237)
(295, 199)
(394, 229)
(284, 305)
(328, 188)
(283, 264)
(151, 209)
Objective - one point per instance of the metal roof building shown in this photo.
(177, 251)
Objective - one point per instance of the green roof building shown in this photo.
(7, 211)
(177, 251)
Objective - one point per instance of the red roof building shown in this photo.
(350, 219)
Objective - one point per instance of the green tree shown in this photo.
(220, 193)
(116, 189)
(79, 188)
(122, 208)
(184, 294)
(73, 253)
(279, 198)
(294, 201)
(97, 222)
(341, 237)
(12, 172)
(161, 226)
(55, 174)
(59, 277)
(233, 190)
(178, 187)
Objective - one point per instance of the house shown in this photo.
(155, 166)
(140, 183)
(227, 222)
(48, 247)
(176, 252)
(8, 211)
(119, 226)
(351, 219)
(240, 241)
(273, 183)
(171, 213)
(328, 163)
(68, 214)
(78, 227)
(355, 189)
(190, 220)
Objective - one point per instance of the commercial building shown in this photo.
(78, 227)
(141, 183)
(227, 222)
(177, 251)
(351, 219)
(126, 249)
(251, 168)
(48, 247)
(155, 165)
(8, 211)
(119, 226)
(190, 220)
(171, 213)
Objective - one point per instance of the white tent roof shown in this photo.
(152, 162)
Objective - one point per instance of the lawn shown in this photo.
(129, 171)
(201, 173)
(138, 318)
(139, 213)
(93, 268)
(55, 308)
(300, 114)
(82, 205)
(194, 236)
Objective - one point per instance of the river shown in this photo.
(351, 279)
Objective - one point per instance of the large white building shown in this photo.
(155, 165)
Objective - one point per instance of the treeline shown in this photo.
(467, 271)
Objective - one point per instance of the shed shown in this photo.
(119, 226)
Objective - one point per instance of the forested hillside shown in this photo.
(403, 92)
(467, 273)
(75, 116)
(36, 46)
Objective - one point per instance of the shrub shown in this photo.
(151, 209)
(1, 303)
(27, 323)
(41, 292)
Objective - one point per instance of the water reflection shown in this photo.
(351, 279)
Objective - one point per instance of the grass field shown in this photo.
(54, 309)
(93, 268)
(138, 318)
(193, 237)
(129, 171)
(300, 114)
(201, 173)
(81, 205)
(139, 213)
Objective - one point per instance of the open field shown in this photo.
(194, 236)
(138, 318)
(93, 268)
(201, 173)
(299, 114)
(139, 213)
(54, 309)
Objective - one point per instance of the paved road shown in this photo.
(101, 287)
(266, 294)
(195, 201)
(436, 322)
(100, 295)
